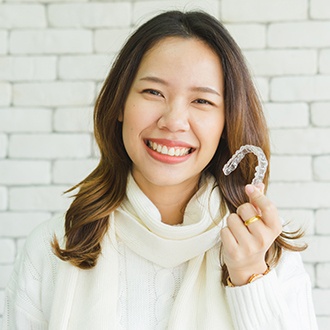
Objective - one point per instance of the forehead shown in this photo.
(177, 56)
(176, 44)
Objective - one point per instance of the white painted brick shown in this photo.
(300, 195)
(299, 219)
(110, 41)
(302, 34)
(25, 120)
(291, 168)
(50, 146)
(5, 271)
(282, 62)
(325, 60)
(286, 115)
(2, 305)
(95, 149)
(323, 322)
(248, 36)
(22, 16)
(318, 249)
(321, 167)
(20, 224)
(263, 10)
(321, 301)
(99, 86)
(90, 15)
(7, 251)
(53, 94)
(262, 86)
(46, 1)
(24, 172)
(3, 42)
(322, 221)
(320, 9)
(3, 198)
(320, 114)
(144, 10)
(309, 141)
(304, 88)
(72, 171)
(5, 93)
(43, 198)
(19, 68)
(310, 268)
(50, 41)
(95, 67)
(323, 275)
(3, 145)
(20, 242)
(73, 120)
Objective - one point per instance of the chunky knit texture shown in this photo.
(131, 288)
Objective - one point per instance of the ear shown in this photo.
(120, 117)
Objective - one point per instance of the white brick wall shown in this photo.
(54, 54)
(50, 94)
(264, 10)
(23, 68)
(3, 42)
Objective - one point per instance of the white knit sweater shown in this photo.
(148, 292)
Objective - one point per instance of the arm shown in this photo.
(282, 298)
(24, 294)
(21, 311)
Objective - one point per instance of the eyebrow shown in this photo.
(154, 79)
(196, 89)
(205, 90)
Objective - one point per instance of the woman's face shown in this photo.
(174, 113)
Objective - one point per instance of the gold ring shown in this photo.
(251, 220)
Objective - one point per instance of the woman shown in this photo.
(140, 247)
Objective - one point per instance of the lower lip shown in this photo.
(166, 158)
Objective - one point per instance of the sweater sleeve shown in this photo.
(21, 302)
(280, 300)
(30, 289)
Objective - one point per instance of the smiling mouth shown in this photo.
(170, 151)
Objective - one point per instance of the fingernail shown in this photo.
(250, 188)
(260, 186)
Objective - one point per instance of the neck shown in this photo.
(171, 201)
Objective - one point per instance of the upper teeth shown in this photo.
(171, 151)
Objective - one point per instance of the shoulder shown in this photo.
(37, 250)
(43, 234)
(36, 265)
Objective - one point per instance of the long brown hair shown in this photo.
(102, 191)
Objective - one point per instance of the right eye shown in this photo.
(152, 92)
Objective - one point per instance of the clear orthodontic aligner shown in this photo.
(233, 162)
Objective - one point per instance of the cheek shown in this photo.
(211, 130)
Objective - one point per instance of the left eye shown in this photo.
(152, 92)
(202, 101)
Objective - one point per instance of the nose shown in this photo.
(175, 118)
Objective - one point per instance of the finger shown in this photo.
(239, 231)
(246, 212)
(227, 238)
(260, 201)
(261, 187)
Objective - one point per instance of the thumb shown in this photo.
(254, 191)
(260, 201)
(261, 187)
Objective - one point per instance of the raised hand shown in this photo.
(249, 234)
